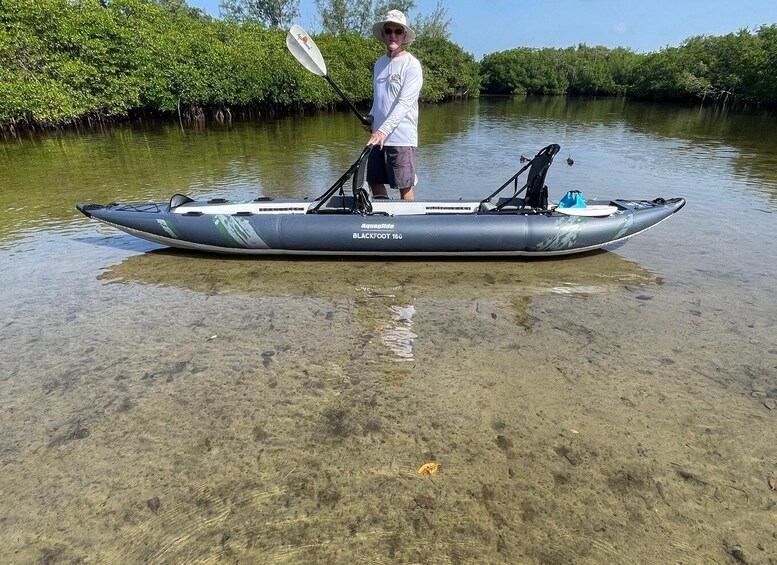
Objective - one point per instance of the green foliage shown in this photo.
(738, 67)
(181, 7)
(87, 59)
(598, 70)
(357, 16)
(64, 60)
(68, 60)
(346, 16)
(449, 72)
(382, 7)
(434, 25)
(274, 13)
(575, 70)
(718, 67)
(763, 73)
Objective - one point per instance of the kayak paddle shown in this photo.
(306, 52)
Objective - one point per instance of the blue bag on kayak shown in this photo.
(572, 199)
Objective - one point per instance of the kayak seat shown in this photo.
(536, 190)
(536, 197)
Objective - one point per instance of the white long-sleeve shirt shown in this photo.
(398, 83)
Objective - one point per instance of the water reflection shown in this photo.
(494, 280)
(385, 295)
(665, 141)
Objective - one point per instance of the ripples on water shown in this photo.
(161, 406)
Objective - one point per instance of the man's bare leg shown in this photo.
(378, 191)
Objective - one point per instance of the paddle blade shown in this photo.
(305, 50)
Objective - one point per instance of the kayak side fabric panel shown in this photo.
(413, 234)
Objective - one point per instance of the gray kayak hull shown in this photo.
(444, 228)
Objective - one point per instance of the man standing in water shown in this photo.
(397, 83)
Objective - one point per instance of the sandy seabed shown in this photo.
(209, 410)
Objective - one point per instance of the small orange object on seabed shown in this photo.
(428, 469)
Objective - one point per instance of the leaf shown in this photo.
(428, 469)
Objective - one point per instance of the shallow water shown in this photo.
(168, 407)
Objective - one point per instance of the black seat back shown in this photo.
(536, 191)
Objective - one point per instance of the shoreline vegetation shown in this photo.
(85, 63)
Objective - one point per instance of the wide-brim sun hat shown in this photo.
(394, 17)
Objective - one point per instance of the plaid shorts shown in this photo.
(392, 165)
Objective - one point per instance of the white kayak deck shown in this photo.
(379, 207)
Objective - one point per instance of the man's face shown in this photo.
(393, 35)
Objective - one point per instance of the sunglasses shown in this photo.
(389, 31)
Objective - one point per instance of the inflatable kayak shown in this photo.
(350, 222)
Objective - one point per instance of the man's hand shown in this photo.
(368, 126)
(377, 138)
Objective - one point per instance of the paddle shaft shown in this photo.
(351, 105)
(305, 50)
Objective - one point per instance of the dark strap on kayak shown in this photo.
(361, 201)
(361, 198)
